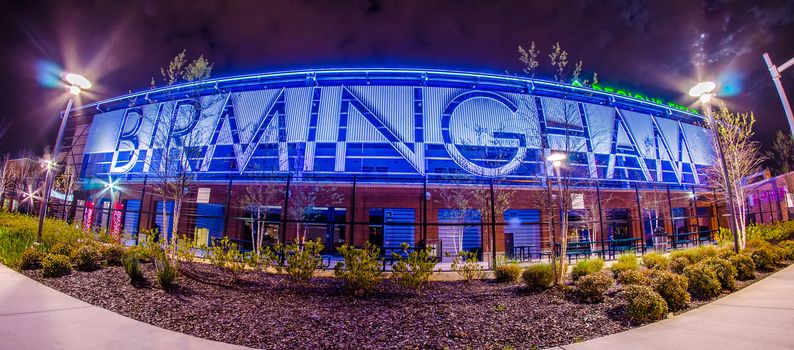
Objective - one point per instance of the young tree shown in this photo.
(304, 200)
(256, 200)
(742, 159)
(178, 139)
(556, 195)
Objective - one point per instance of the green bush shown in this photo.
(132, 267)
(507, 273)
(56, 265)
(672, 288)
(31, 259)
(167, 272)
(689, 254)
(625, 262)
(745, 268)
(538, 276)
(62, 249)
(467, 266)
(726, 252)
(655, 261)
(112, 254)
(226, 256)
(787, 250)
(302, 263)
(414, 270)
(361, 268)
(592, 287)
(703, 282)
(643, 304)
(140, 253)
(87, 258)
(586, 267)
(725, 271)
(633, 277)
(678, 264)
(764, 258)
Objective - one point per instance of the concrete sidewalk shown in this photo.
(760, 316)
(33, 316)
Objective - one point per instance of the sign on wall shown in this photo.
(394, 130)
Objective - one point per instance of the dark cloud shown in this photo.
(652, 46)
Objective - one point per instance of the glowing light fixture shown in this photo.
(77, 80)
(556, 158)
(702, 89)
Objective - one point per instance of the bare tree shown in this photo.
(304, 200)
(256, 200)
(742, 159)
(782, 157)
(564, 115)
(174, 157)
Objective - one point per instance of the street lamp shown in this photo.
(775, 71)
(704, 91)
(76, 84)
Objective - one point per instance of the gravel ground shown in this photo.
(274, 312)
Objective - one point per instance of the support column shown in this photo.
(642, 220)
(353, 214)
(283, 227)
(493, 226)
(140, 207)
(601, 221)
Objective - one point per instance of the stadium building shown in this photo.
(451, 160)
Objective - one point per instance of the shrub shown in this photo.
(625, 262)
(167, 271)
(62, 249)
(414, 270)
(586, 267)
(592, 287)
(643, 304)
(703, 282)
(672, 288)
(361, 268)
(633, 277)
(678, 264)
(745, 268)
(655, 261)
(786, 250)
(724, 270)
(184, 249)
(140, 253)
(87, 258)
(112, 254)
(467, 266)
(302, 263)
(763, 258)
(132, 266)
(726, 252)
(538, 276)
(689, 254)
(56, 265)
(507, 273)
(227, 257)
(31, 259)
(703, 252)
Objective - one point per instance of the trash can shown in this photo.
(660, 240)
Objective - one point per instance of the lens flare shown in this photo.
(730, 83)
(48, 73)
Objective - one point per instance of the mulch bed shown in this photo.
(274, 312)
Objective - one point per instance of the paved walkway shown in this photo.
(33, 316)
(760, 316)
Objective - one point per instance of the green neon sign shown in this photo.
(639, 96)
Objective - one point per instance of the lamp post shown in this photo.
(775, 71)
(704, 91)
(76, 84)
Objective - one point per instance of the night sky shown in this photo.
(660, 48)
